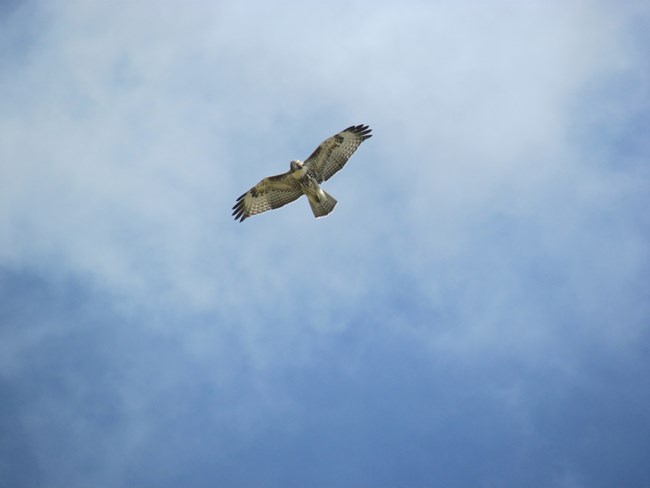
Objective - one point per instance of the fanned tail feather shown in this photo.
(324, 207)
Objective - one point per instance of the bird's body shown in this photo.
(321, 203)
(304, 178)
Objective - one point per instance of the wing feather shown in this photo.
(270, 193)
(333, 153)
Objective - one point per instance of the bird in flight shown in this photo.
(304, 178)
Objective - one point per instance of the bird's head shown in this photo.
(296, 165)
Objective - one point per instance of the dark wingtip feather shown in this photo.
(361, 130)
(238, 211)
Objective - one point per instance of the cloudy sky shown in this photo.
(476, 312)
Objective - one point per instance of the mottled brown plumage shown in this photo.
(304, 178)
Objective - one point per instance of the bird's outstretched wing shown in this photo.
(334, 152)
(272, 192)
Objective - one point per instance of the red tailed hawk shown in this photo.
(304, 178)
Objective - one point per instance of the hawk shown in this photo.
(304, 178)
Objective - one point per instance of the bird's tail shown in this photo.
(323, 206)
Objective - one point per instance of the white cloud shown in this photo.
(133, 129)
(489, 238)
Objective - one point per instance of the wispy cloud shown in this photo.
(478, 298)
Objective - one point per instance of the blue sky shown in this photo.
(476, 312)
